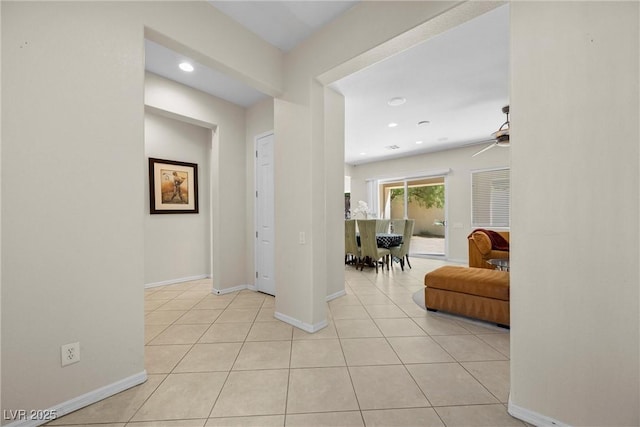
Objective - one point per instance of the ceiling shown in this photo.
(164, 62)
(284, 24)
(457, 81)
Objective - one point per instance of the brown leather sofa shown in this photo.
(480, 249)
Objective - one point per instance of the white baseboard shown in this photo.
(179, 280)
(86, 399)
(230, 290)
(336, 295)
(255, 289)
(307, 327)
(532, 417)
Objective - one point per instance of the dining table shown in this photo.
(385, 240)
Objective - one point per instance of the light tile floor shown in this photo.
(382, 361)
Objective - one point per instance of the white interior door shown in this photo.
(265, 215)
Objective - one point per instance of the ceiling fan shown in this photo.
(501, 136)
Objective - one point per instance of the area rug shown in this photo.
(418, 298)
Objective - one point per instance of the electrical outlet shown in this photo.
(70, 353)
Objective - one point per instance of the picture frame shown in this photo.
(173, 187)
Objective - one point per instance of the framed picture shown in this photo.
(173, 186)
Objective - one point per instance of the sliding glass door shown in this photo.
(423, 200)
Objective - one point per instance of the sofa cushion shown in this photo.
(472, 281)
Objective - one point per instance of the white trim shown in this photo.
(229, 290)
(86, 399)
(409, 180)
(182, 118)
(336, 295)
(307, 327)
(532, 417)
(414, 175)
(446, 216)
(179, 280)
(405, 201)
(373, 196)
(212, 179)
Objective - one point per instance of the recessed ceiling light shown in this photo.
(392, 125)
(185, 66)
(419, 142)
(398, 100)
(363, 154)
(423, 122)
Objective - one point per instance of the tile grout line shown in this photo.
(286, 395)
(379, 284)
(224, 383)
(166, 375)
(353, 388)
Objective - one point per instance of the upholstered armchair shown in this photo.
(481, 248)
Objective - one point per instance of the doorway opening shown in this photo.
(423, 200)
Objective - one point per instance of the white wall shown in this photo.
(259, 120)
(302, 157)
(72, 176)
(178, 246)
(458, 184)
(334, 179)
(574, 266)
(73, 171)
(570, 319)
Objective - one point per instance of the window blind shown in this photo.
(491, 198)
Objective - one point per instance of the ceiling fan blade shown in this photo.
(485, 149)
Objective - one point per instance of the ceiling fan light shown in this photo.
(502, 135)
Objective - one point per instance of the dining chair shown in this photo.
(402, 252)
(382, 225)
(397, 226)
(350, 241)
(368, 244)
